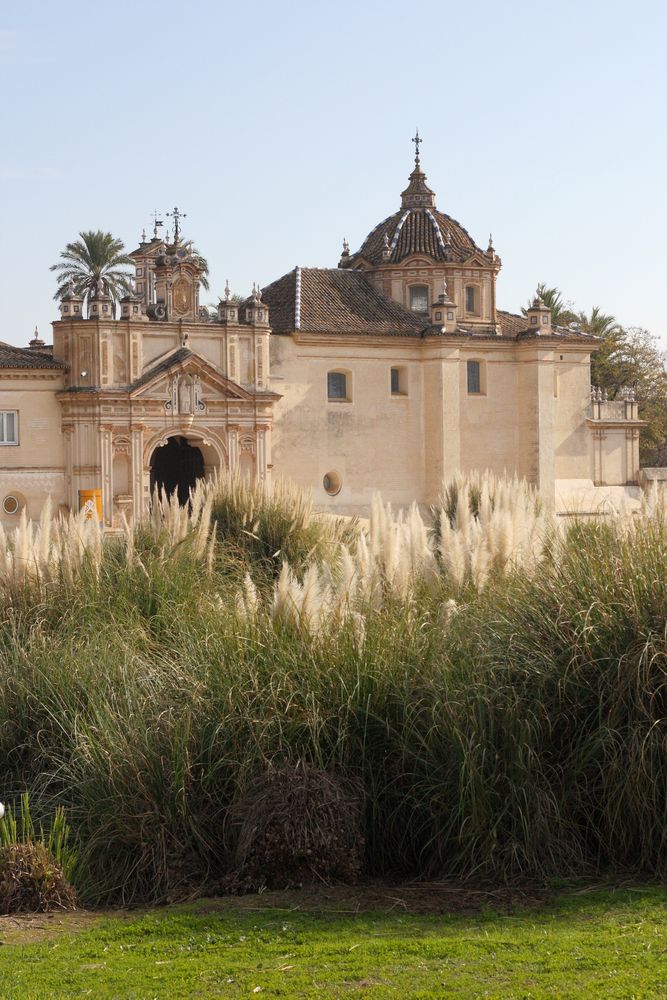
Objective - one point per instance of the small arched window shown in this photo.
(338, 386)
(419, 298)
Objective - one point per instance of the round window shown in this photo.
(332, 483)
(11, 505)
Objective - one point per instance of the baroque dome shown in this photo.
(417, 228)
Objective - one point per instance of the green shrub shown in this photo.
(35, 868)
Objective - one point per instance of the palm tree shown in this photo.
(95, 257)
(561, 312)
(203, 264)
(598, 323)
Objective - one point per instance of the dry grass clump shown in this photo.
(62, 552)
(54, 550)
(272, 525)
(484, 526)
(31, 880)
(296, 825)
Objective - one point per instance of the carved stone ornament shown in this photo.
(185, 395)
(181, 296)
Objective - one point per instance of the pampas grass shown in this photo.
(496, 682)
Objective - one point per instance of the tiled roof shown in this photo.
(518, 327)
(26, 357)
(331, 300)
(421, 230)
(511, 324)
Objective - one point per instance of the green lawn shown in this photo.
(598, 944)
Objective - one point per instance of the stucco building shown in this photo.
(386, 373)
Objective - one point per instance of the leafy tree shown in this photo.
(626, 356)
(95, 257)
(631, 357)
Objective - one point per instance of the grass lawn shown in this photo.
(594, 944)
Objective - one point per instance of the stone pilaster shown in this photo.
(261, 452)
(106, 464)
(137, 470)
(233, 447)
(598, 455)
(71, 497)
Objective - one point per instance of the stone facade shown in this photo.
(387, 373)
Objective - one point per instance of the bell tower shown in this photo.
(168, 275)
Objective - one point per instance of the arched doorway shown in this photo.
(177, 465)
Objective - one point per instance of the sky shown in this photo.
(282, 128)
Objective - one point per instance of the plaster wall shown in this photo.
(572, 436)
(33, 469)
(529, 418)
(374, 441)
(489, 419)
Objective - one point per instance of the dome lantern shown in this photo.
(417, 194)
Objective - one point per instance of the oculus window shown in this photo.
(332, 483)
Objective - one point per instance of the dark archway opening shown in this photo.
(177, 465)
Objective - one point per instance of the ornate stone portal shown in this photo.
(165, 371)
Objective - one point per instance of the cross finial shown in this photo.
(157, 222)
(177, 216)
(417, 141)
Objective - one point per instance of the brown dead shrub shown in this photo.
(32, 881)
(293, 826)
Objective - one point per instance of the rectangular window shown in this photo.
(9, 426)
(399, 382)
(470, 299)
(336, 385)
(474, 379)
(419, 298)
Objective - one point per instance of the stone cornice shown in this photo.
(614, 424)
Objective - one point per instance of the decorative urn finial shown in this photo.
(36, 344)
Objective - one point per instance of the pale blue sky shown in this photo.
(282, 128)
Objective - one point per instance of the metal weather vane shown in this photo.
(417, 141)
(177, 216)
(157, 221)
